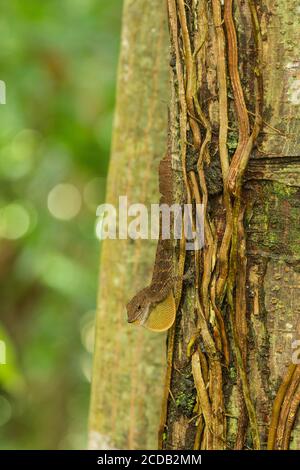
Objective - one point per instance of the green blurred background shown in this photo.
(59, 60)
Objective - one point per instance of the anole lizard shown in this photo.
(155, 306)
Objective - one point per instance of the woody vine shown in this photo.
(219, 129)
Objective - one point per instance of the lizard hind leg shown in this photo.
(162, 316)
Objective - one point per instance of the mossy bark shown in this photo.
(129, 361)
(271, 203)
(128, 372)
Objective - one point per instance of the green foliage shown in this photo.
(58, 60)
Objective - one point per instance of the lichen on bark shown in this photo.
(209, 111)
(221, 372)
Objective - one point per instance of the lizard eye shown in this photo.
(139, 307)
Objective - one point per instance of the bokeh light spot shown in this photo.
(64, 201)
(17, 158)
(14, 221)
(86, 367)
(94, 193)
(87, 330)
(5, 410)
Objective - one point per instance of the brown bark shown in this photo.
(249, 268)
(232, 384)
(128, 361)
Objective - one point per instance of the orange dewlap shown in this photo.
(163, 315)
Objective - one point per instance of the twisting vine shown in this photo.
(220, 267)
(285, 407)
(237, 278)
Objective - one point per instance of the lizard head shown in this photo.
(155, 316)
(138, 309)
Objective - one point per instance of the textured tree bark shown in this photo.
(235, 93)
(128, 361)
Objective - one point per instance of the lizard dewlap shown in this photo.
(154, 306)
(163, 315)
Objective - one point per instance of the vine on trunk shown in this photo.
(221, 266)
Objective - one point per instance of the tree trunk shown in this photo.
(235, 131)
(128, 362)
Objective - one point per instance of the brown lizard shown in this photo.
(155, 306)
